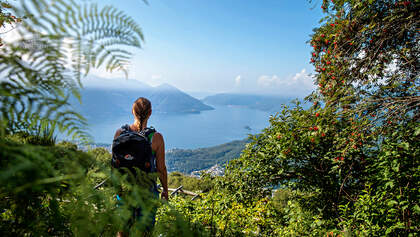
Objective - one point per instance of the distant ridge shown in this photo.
(169, 99)
(166, 87)
(260, 102)
(109, 99)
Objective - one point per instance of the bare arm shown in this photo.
(158, 145)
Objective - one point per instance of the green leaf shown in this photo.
(6, 5)
(392, 203)
(417, 131)
(417, 209)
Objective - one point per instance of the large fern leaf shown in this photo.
(58, 43)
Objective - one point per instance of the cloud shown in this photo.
(300, 83)
(303, 78)
(238, 80)
(268, 81)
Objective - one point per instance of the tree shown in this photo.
(366, 55)
(338, 155)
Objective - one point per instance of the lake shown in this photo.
(190, 131)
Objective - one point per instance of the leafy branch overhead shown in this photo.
(56, 44)
(366, 57)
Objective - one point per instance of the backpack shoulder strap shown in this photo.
(125, 128)
(149, 132)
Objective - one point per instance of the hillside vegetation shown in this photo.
(189, 160)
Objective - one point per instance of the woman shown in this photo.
(142, 110)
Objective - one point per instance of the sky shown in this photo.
(241, 46)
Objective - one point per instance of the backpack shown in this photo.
(133, 149)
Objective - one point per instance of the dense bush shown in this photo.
(44, 191)
(388, 205)
(176, 179)
(50, 190)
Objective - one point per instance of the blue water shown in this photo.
(190, 131)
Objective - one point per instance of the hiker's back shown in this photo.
(132, 151)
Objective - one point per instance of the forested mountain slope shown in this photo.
(260, 102)
(189, 160)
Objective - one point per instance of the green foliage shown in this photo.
(300, 150)
(36, 131)
(33, 180)
(68, 145)
(389, 203)
(176, 179)
(102, 169)
(57, 43)
(366, 57)
(219, 214)
(171, 222)
(49, 190)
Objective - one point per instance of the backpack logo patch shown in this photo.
(128, 157)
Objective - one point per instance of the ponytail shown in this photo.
(141, 109)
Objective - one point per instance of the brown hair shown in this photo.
(141, 109)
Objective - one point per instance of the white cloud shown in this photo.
(300, 83)
(238, 80)
(303, 78)
(268, 81)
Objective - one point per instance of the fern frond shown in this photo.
(59, 41)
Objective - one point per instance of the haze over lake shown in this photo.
(186, 121)
(208, 128)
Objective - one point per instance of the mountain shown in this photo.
(260, 102)
(169, 99)
(190, 160)
(109, 99)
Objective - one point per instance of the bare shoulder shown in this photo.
(158, 137)
(158, 142)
